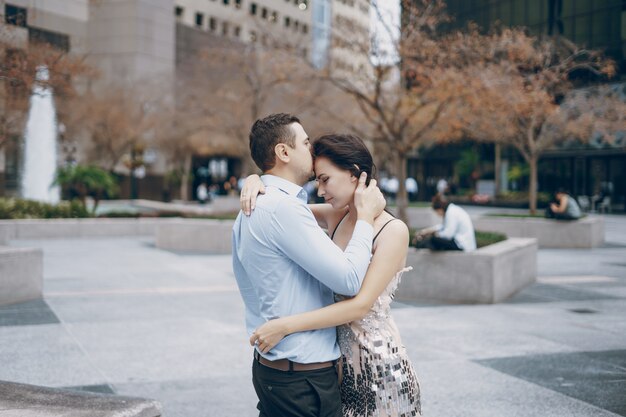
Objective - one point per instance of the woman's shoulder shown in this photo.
(390, 225)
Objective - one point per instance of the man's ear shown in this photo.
(281, 152)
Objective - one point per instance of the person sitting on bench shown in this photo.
(455, 233)
(564, 207)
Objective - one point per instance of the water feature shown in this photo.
(40, 144)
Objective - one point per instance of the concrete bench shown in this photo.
(21, 275)
(196, 235)
(587, 232)
(21, 400)
(488, 275)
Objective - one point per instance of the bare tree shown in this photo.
(408, 86)
(528, 97)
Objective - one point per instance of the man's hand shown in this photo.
(369, 201)
(252, 187)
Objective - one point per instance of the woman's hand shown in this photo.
(252, 187)
(269, 335)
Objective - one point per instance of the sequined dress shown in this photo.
(378, 378)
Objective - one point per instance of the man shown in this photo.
(455, 233)
(285, 264)
(564, 207)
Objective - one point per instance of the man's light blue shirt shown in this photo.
(285, 264)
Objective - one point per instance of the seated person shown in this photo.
(564, 207)
(455, 233)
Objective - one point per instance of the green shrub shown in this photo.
(12, 208)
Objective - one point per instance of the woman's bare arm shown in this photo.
(391, 250)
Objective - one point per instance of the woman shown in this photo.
(377, 376)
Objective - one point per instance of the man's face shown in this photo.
(300, 156)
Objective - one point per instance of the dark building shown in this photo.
(596, 24)
(590, 172)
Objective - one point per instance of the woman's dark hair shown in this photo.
(440, 203)
(347, 152)
(266, 134)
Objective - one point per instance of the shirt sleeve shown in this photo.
(450, 226)
(298, 236)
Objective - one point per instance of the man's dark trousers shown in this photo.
(296, 393)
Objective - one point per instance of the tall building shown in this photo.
(597, 24)
(134, 40)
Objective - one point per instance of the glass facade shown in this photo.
(597, 24)
(321, 33)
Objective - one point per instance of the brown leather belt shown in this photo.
(287, 365)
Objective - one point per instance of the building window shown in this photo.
(179, 11)
(225, 28)
(14, 15)
(274, 17)
(238, 4)
(296, 25)
(226, 2)
(212, 24)
(305, 29)
(57, 40)
(252, 36)
(237, 31)
(287, 21)
(264, 13)
(253, 8)
(199, 19)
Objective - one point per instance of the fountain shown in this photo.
(40, 144)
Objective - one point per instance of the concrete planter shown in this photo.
(75, 228)
(31, 400)
(21, 274)
(488, 275)
(196, 235)
(584, 233)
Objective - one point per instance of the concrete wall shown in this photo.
(21, 274)
(488, 275)
(75, 228)
(191, 235)
(132, 40)
(585, 233)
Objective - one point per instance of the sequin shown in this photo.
(378, 378)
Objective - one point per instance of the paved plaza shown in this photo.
(121, 316)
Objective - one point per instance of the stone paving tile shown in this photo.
(169, 326)
(597, 378)
(27, 313)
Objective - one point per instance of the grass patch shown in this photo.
(488, 238)
(482, 238)
(517, 215)
(522, 216)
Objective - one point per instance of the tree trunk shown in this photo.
(184, 183)
(498, 168)
(402, 200)
(532, 191)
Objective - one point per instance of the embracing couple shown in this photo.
(318, 304)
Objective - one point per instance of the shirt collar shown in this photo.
(285, 186)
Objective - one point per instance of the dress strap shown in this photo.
(337, 227)
(381, 229)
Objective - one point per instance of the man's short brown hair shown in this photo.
(440, 203)
(268, 132)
